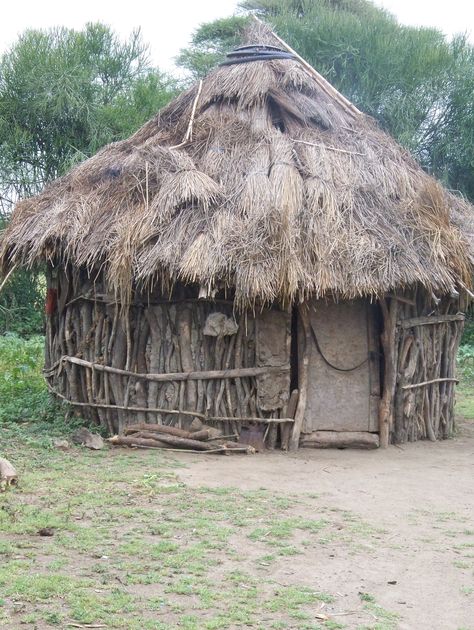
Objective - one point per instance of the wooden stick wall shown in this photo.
(163, 362)
(427, 337)
(116, 365)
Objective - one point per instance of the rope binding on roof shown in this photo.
(255, 52)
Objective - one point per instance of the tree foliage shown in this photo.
(416, 83)
(210, 43)
(63, 95)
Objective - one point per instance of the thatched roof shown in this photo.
(281, 190)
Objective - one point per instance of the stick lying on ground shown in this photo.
(8, 475)
(156, 438)
(160, 428)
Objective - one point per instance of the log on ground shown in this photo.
(162, 438)
(8, 474)
(169, 430)
(340, 439)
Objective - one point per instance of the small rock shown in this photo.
(46, 531)
(62, 445)
(85, 438)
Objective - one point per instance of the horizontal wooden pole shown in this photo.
(434, 380)
(240, 420)
(118, 440)
(341, 439)
(244, 420)
(126, 408)
(98, 297)
(434, 319)
(180, 376)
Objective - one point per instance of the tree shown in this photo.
(210, 43)
(63, 95)
(418, 85)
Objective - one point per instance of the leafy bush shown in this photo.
(21, 303)
(466, 362)
(468, 336)
(27, 411)
(23, 393)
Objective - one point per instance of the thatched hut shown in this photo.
(260, 252)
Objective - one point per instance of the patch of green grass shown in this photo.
(465, 401)
(385, 619)
(135, 548)
(291, 598)
(23, 393)
(35, 587)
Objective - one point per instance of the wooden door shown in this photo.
(344, 379)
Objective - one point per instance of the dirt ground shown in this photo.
(420, 498)
(316, 540)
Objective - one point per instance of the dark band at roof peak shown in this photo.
(255, 52)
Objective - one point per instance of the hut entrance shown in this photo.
(344, 376)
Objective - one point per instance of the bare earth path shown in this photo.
(420, 499)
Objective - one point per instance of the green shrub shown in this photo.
(22, 303)
(468, 335)
(466, 362)
(23, 393)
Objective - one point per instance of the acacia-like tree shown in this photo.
(63, 95)
(66, 93)
(417, 84)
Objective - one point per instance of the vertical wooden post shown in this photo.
(303, 318)
(184, 326)
(388, 339)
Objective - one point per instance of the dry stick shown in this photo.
(167, 411)
(184, 339)
(105, 378)
(228, 398)
(119, 440)
(180, 376)
(123, 408)
(302, 380)
(470, 293)
(388, 339)
(249, 420)
(434, 380)
(325, 146)
(238, 365)
(169, 449)
(173, 440)
(189, 132)
(86, 625)
(325, 85)
(5, 279)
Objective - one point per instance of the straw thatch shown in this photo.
(257, 179)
